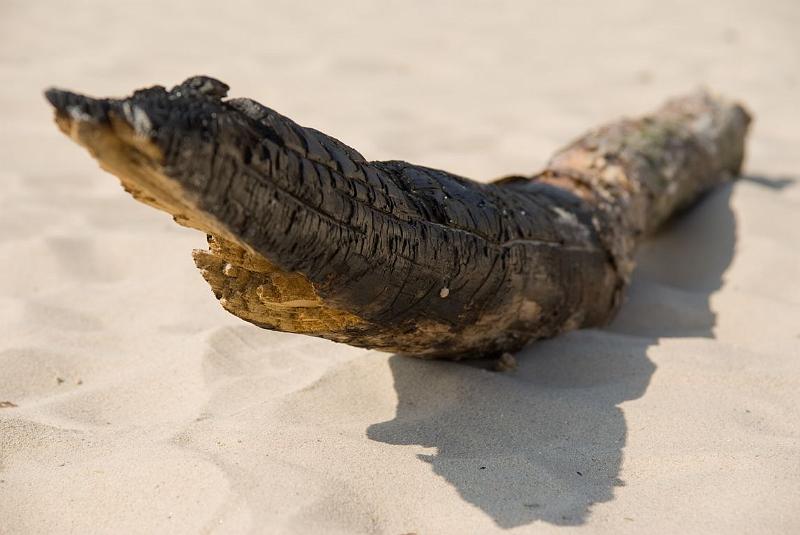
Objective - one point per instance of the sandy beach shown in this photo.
(130, 402)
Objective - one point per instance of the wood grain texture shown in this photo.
(308, 236)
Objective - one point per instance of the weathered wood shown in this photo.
(307, 236)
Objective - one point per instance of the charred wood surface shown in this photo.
(307, 236)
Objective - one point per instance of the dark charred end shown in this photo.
(170, 136)
(146, 137)
(78, 107)
(153, 115)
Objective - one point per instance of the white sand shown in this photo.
(143, 407)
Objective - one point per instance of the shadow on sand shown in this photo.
(545, 442)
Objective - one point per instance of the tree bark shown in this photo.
(307, 236)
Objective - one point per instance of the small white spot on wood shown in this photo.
(229, 270)
(206, 88)
(570, 219)
(566, 217)
(444, 292)
(77, 114)
(138, 119)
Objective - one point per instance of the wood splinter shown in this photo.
(307, 236)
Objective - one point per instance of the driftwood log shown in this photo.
(307, 236)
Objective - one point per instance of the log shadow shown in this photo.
(545, 442)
